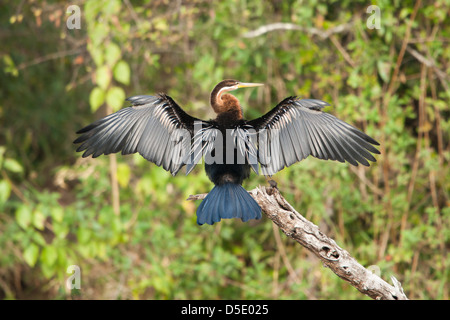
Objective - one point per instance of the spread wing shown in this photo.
(296, 128)
(154, 126)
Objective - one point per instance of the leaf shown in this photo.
(123, 174)
(49, 255)
(83, 235)
(111, 7)
(5, 191)
(57, 214)
(38, 219)
(31, 254)
(98, 32)
(96, 98)
(12, 165)
(103, 77)
(60, 230)
(384, 69)
(122, 72)
(47, 271)
(112, 54)
(10, 66)
(115, 97)
(23, 216)
(96, 54)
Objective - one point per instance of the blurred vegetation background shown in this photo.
(127, 223)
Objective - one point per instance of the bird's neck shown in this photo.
(226, 103)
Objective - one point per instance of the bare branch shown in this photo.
(298, 228)
(430, 63)
(51, 56)
(290, 26)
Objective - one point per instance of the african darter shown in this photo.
(157, 128)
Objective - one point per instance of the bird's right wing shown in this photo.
(154, 126)
(297, 128)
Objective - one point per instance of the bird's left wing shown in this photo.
(154, 126)
(297, 128)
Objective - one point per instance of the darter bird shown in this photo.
(163, 133)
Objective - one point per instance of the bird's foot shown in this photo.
(271, 182)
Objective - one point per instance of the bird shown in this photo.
(157, 128)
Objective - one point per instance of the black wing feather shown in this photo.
(148, 127)
(303, 130)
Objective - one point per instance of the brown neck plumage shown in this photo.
(225, 103)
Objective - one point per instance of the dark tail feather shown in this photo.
(225, 202)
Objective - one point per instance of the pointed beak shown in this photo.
(249, 85)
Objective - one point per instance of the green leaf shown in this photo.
(57, 214)
(98, 32)
(10, 67)
(47, 270)
(23, 216)
(60, 230)
(12, 165)
(96, 54)
(31, 254)
(123, 174)
(38, 219)
(83, 235)
(384, 69)
(112, 54)
(103, 77)
(111, 7)
(5, 191)
(96, 98)
(115, 97)
(122, 72)
(49, 255)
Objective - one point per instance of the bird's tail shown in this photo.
(227, 201)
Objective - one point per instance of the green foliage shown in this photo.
(57, 209)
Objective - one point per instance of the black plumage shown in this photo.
(148, 127)
(305, 130)
(157, 128)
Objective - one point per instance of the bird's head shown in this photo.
(218, 103)
(230, 85)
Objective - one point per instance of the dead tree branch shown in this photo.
(290, 26)
(298, 228)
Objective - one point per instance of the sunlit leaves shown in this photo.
(112, 53)
(57, 214)
(115, 98)
(5, 191)
(122, 72)
(384, 70)
(38, 218)
(123, 174)
(31, 254)
(103, 77)
(49, 255)
(96, 98)
(10, 66)
(12, 165)
(23, 216)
